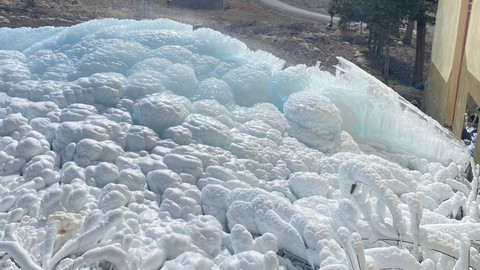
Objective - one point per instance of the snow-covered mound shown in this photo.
(148, 145)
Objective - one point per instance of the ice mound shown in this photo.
(151, 145)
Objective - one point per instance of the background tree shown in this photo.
(423, 12)
(383, 19)
(30, 3)
(407, 38)
(348, 11)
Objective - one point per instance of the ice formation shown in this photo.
(151, 145)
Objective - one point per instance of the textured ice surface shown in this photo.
(373, 112)
(148, 145)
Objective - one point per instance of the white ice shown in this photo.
(150, 145)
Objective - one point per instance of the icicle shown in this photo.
(473, 212)
(89, 237)
(463, 260)
(19, 255)
(416, 212)
(345, 241)
(111, 253)
(472, 197)
(357, 245)
(48, 243)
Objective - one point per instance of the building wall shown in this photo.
(453, 83)
(446, 27)
(469, 84)
(447, 50)
(472, 49)
(435, 96)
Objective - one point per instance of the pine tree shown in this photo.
(30, 3)
(421, 12)
(383, 19)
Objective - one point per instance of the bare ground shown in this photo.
(297, 41)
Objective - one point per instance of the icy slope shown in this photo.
(147, 145)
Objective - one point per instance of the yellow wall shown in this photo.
(473, 41)
(454, 74)
(446, 29)
(435, 96)
(447, 51)
(469, 85)
(472, 53)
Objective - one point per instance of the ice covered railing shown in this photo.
(148, 145)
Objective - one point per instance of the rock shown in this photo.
(358, 54)
(305, 45)
(324, 38)
(4, 20)
(198, 26)
(415, 103)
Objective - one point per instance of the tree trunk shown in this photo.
(407, 39)
(374, 46)
(380, 45)
(386, 64)
(370, 42)
(420, 51)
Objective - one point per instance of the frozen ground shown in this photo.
(148, 145)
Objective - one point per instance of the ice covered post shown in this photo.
(416, 212)
(463, 261)
(472, 197)
(353, 246)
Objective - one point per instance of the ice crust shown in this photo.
(151, 145)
